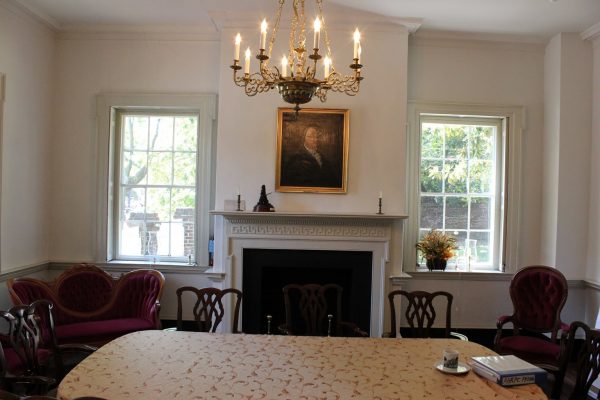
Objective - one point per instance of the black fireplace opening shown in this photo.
(267, 271)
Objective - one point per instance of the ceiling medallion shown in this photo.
(297, 80)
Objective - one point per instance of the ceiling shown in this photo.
(539, 19)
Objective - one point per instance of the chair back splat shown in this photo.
(587, 360)
(316, 310)
(420, 312)
(208, 308)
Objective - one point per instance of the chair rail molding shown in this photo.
(380, 234)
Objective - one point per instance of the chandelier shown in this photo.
(297, 80)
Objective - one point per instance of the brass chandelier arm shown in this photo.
(252, 84)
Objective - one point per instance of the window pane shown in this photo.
(184, 169)
(135, 133)
(480, 213)
(484, 253)
(182, 240)
(186, 132)
(481, 175)
(456, 141)
(456, 212)
(431, 176)
(482, 142)
(133, 168)
(432, 212)
(432, 141)
(456, 176)
(161, 133)
(158, 204)
(159, 168)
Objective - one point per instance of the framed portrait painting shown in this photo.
(312, 150)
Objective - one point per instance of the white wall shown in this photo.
(88, 65)
(568, 99)
(477, 72)
(27, 51)
(246, 147)
(593, 248)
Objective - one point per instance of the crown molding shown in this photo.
(477, 41)
(334, 21)
(23, 7)
(139, 32)
(592, 33)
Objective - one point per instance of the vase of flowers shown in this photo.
(437, 247)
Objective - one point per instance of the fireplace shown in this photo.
(290, 243)
(267, 271)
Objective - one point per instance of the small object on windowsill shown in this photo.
(263, 204)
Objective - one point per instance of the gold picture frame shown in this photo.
(312, 150)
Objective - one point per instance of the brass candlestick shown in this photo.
(239, 203)
(380, 204)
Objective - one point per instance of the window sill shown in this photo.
(452, 275)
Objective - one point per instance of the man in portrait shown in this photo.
(309, 166)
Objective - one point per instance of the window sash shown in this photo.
(120, 151)
(498, 178)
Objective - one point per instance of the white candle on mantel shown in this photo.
(238, 191)
(356, 42)
(326, 64)
(247, 63)
(238, 40)
(263, 34)
(380, 195)
(317, 37)
(284, 64)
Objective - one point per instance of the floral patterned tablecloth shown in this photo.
(187, 365)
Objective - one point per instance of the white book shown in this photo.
(508, 370)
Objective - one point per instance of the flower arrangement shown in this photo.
(437, 245)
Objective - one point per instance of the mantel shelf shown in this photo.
(316, 215)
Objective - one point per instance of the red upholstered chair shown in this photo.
(538, 294)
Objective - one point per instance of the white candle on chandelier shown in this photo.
(238, 40)
(317, 38)
(356, 42)
(247, 63)
(326, 64)
(359, 52)
(263, 34)
(284, 64)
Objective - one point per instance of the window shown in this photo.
(155, 184)
(156, 190)
(461, 183)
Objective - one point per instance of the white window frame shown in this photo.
(2, 97)
(107, 106)
(511, 197)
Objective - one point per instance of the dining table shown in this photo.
(191, 365)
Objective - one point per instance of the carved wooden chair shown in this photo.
(208, 309)
(420, 313)
(30, 346)
(316, 310)
(587, 359)
(538, 294)
(4, 395)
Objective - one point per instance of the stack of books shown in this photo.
(508, 370)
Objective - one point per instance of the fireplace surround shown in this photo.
(377, 235)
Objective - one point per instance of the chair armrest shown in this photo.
(502, 320)
(354, 329)
(76, 347)
(459, 336)
(285, 329)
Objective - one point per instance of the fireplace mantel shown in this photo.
(380, 234)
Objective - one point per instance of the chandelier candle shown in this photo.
(238, 40)
(317, 38)
(299, 84)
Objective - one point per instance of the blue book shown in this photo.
(508, 370)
